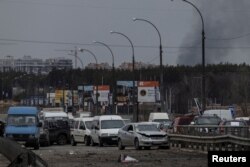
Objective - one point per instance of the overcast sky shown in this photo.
(43, 28)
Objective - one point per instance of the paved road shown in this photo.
(107, 156)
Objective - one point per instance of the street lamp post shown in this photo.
(135, 114)
(113, 74)
(161, 68)
(86, 50)
(203, 99)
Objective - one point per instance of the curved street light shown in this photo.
(161, 68)
(113, 74)
(203, 100)
(86, 50)
(135, 114)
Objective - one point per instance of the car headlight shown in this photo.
(104, 134)
(144, 137)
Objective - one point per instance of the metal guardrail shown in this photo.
(211, 137)
(19, 156)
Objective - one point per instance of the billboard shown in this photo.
(148, 91)
(103, 93)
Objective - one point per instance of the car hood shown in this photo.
(21, 130)
(110, 131)
(152, 133)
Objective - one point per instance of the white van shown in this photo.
(80, 131)
(158, 117)
(105, 129)
(225, 114)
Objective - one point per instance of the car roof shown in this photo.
(144, 123)
(84, 119)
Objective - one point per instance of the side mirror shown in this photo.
(96, 128)
(40, 124)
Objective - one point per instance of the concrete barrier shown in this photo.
(19, 156)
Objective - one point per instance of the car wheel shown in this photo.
(92, 143)
(37, 145)
(137, 144)
(87, 140)
(120, 146)
(100, 142)
(61, 139)
(72, 141)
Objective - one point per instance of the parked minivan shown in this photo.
(80, 131)
(105, 128)
(158, 117)
(23, 125)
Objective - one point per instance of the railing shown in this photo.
(211, 137)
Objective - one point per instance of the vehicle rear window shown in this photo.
(208, 121)
(111, 124)
(235, 123)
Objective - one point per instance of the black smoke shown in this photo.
(227, 31)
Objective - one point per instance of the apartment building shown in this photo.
(33, 65)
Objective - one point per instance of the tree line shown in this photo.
(226, 84)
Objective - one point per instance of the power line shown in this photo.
(116, 45)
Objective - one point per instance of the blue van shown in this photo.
(23, 125)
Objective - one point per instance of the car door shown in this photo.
(76, 133)
(94, 131)
(81, 131)
(123, 135)
(131, 135)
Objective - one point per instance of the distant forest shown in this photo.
(226, 84)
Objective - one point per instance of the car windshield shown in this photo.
(208, 121)
(145, 127)
(88, 124)
(161, 120)
(21, 120)
(111, 124)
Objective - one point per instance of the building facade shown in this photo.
(33, 65)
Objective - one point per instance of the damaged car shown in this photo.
(142, 135)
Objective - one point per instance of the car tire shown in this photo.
(72, 141)
(92, 143)
(37, 145)
(61, 139)
(137, 144)
(100, 142)
(120, 146)
(87, 140)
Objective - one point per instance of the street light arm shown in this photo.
(86, 50)
(97, 42)
(158, 32)
(197, 11)
(132, 46)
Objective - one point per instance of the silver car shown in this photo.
(143, 134)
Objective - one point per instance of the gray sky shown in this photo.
(49, 23)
